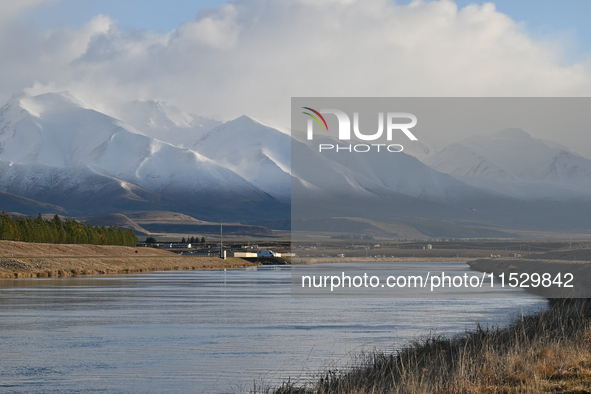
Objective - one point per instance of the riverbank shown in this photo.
(30, 260)
(34, 260)
(549, 352)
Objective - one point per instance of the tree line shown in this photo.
(62, 232)
(192, 240)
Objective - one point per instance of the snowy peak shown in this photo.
(512, 134)
(160, 114)
(375, 173)
(48, 102)
(164, 122)
(471, 164)
(514, 162)
(52, 129)
(56, 132)
(257, 152)
(153, 114)
(243, 129)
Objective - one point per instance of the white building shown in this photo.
(177, 246)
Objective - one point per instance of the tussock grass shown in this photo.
(548, 352)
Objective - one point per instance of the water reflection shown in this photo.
(201, 331)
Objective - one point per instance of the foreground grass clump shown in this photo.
(549, 352)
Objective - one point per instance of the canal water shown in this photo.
(205, 331)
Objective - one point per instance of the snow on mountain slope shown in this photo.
(57, 131)
(514, 163)
(259, 153)
(471, 164)
(420, 150)
(56, 150)
(377, 172)
(78, 188)
(164, 122)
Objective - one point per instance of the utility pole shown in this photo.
(221, 243)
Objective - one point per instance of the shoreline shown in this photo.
(52, 266)
(34, 260)
(55, 267)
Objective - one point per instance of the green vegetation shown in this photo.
(63, 232)
(193, 240)
(549, 352)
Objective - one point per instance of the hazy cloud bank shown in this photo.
(251, 56)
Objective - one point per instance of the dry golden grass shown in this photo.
(65, 267)
(30, 249)
(31, 260)
(549, 352)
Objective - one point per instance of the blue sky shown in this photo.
(548, 18)
(155, 15)
(543, 18)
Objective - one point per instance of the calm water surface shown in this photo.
(203, 331)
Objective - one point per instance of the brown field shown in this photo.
(30, 260)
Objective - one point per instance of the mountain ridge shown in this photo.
(58, 153)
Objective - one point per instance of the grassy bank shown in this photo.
(34, 260)
(549, 352)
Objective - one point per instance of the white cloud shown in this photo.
(13, 8)
(218, 30)
(251, 56)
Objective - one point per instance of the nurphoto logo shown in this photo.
(344, 130)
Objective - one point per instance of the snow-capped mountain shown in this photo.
(53, 144)
(378, 186)
(420, 150)
(374, 172)
(59, 155)
(513, 163)
(164, 122)
(257, 152)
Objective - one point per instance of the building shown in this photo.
(242, 254)
(267, 253)
(177, 246)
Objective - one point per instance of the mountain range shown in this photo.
(59, 155)
(56, 150)
(514, 163)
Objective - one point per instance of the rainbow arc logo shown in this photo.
(315, 118)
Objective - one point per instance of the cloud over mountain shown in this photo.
(56, 150)
(250, 57)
